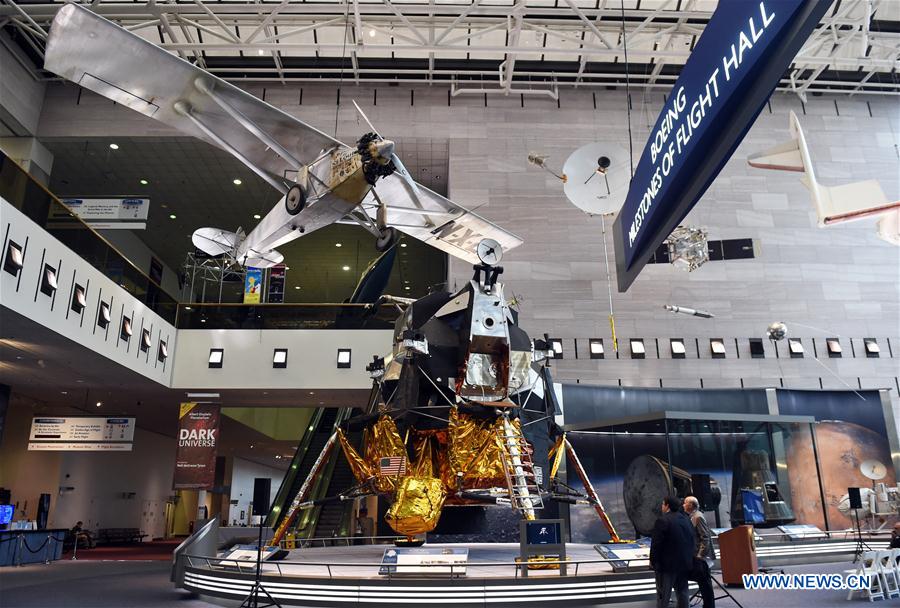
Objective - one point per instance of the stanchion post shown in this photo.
(21, 541)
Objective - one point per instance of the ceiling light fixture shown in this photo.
(371, 33)
(236, 182)
(144, 182)
(403, 244)
(338, 245)
(260, 52)
(257, 216)
(114, 146)
(202, 395)
(346, 267)
(296, 287)
(172, 216)
(99, 403)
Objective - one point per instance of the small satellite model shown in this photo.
(878, 502)
(688, 249)
(597, 177)
(835, 204)
(461, 414)
(873, 470)
(689, 311)
(776, 331)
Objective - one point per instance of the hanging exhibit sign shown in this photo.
(123, 212)
(253, 285)
(275, 291)
(81, 434)
(195, 460)
(737, 63)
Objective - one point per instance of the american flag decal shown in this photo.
(392, 465)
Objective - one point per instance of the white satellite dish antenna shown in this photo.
(873, 469)
(597, 177)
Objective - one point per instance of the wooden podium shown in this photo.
(738, 554)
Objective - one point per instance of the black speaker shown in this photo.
(702, 488)
(855, 498)
(43, 512)
(262, 489)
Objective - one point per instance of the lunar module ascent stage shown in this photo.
(461, 413)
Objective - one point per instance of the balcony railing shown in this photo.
(43, 208)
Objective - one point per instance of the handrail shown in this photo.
(85, 225)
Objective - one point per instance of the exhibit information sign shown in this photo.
(627, 556)
(424, 560)
(84, 434)
(195, 460)
(741, 56)
(108, 213)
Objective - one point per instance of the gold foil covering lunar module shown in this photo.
(468, 446)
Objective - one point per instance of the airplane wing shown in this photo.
(107, 59)
(438, 221)
(833, 204)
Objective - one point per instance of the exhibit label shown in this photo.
(198, 434)
(108, 213)
(737, 63)
(84, 434)
(424, 560)
(253, 285)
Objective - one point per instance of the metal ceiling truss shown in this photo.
(515, 48)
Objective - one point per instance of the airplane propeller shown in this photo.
(408, 181)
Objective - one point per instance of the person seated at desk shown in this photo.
(83, 536)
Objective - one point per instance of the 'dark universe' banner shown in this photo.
(198, 435)
(742, 54)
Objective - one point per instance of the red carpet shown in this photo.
(158, 550)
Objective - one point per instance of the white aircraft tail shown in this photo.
(216, 242)
(834, 204)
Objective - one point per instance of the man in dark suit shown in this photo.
(672, 553)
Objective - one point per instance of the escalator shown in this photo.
(333, 519)
(320, 428)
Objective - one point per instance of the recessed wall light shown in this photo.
(717, 348)
(125, 334)
(795, 347)
(236, 182)
(145, 340)
(103, 317)
(113, 146)
(346, 267)
(677, 347)
(216, 356)
(48, 280)
(144, 182)
(14, 258)
(257, 216)
(757, 350)
(834, 348)
(557, 346)
(79, 300)
(637, 348)
(343, 358)
(279, 358)
(596, 347)
(872, 348)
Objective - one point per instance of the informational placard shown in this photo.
(743, 53)
(81, 434)
(198, 434)
(627, 556)
(275, 291)
(425, 560)
(247, 553)
(253, 285)
(124, 212)
(802, 531)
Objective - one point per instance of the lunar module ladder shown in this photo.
(524, 492)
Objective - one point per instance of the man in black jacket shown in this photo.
(672, 553)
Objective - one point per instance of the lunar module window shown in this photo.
(772, 493)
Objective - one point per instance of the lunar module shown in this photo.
(461, 413)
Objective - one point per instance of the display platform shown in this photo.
(347, 576)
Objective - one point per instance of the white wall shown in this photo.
(243, 473)
(21, 294)
(100, 479)
(247, 363)
(132, 247)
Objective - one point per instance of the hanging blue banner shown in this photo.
(737, 63)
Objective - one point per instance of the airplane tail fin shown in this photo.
(833, 204)
(215, 241)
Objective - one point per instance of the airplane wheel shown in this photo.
(387, 239)
(295, 200)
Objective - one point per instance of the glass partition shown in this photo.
(43, 208)
(286, 316)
